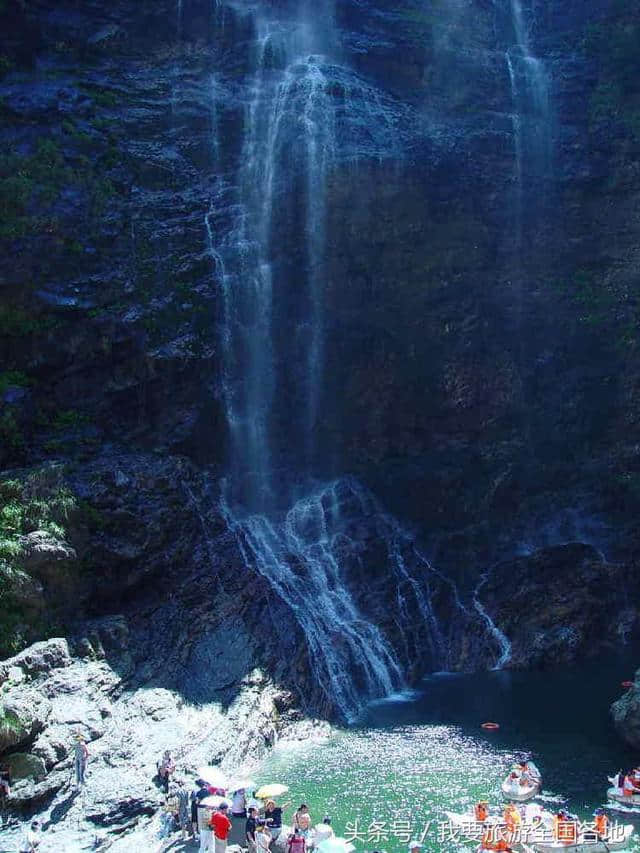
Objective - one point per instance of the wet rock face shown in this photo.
(476, 374)
(625, 713)
(561, 604)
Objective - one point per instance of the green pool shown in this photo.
(393, 775)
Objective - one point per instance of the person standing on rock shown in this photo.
(221, 826)
(81, 756)
(184, 815)
(303, 810)
(199, 793)
(31, 838)
(205, 830)
(296, 842)
(166, 769)
(239, 804)
(273, 817)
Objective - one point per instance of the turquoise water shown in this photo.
(409, 761)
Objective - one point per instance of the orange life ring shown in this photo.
(627, 683)
(490, 726)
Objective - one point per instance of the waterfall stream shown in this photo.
(319, 544)
(531, 118)
(312, 559)
(499, 636)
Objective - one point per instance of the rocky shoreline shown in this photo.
(57, 688)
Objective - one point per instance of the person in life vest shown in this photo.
(512, 822)
(564, 828)
(481, 812)
(296, 842)
(512, 818)
(628, 788)
(492, 841)
(602, 823)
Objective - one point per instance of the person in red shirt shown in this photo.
(221, 825)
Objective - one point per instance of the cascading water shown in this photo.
(316, 544)
(272, 340)
(288, 148)
(531, 118)
(308, 557)
(499, 636)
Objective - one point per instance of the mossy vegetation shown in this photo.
(13, 379)
(38, 501)
(31, 184)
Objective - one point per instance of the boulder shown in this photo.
(23, 765)
(38, 658)
(625, 713)
(40, 548)
(24, 715)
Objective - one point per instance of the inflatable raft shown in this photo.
(520, 793)
(617, 795)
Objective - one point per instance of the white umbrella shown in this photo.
(214, 802)
(241, 785)
(212, 776)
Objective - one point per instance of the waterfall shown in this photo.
(273, 324)
(531, 119)
(499, 636)
(312, 560)
(300, 557)
(311, 540)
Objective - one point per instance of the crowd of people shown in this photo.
(194, 813)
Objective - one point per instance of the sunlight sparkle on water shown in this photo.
(412, 773)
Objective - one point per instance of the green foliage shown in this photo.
(9, 722)
(93, 518)
(69, 419)
(30, 184)
(15, 322)
(101, 96)
(13, 378)
(603, 304)
(40, 501)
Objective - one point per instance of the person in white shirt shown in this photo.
(239, 803)
(31, 838)
(263, 838)
(323, 831)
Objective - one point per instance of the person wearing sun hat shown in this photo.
(81, 756)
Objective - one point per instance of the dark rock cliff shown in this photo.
(481, 321)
